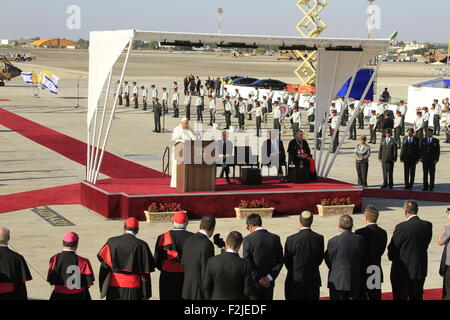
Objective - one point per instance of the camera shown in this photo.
(218, 241)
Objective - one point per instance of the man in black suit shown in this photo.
(387, 123)
(410, 156)
(375, 241)
(408, 253)
(303, 254)
(273, 152)
(387, 155)
(227, 276)
(264, 254)
(157, 108)
(429, 156)
(197, 250)
(344, 258)
(224, 153)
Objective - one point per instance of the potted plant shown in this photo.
(335, 206)
(161, 212)
(248, 207)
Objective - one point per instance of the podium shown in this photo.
(194, 176)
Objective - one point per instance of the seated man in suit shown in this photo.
(300, 154)
(224, 153)
(303, 254)
(273, 152)
(375, 241)
(408, 252)
(264, 253)
(227, 276)
(344, 257)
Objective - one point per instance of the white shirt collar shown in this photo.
(204, 233)
(414, 215)
(369, 224)
(305, 228)
(4, 245)
(131, 232)
(231, 251)
(68, 250)
(259, 228)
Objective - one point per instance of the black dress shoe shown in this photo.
(383, 187)
(432, 189)
(425, 189)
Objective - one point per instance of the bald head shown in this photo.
(4, 236)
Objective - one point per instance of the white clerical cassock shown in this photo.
(179, 135)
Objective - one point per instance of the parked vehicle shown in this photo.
(267, 83)
(244, 81)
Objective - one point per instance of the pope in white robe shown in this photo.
(181, 133)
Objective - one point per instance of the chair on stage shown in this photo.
(246, 162)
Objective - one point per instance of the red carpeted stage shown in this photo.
(122, 198)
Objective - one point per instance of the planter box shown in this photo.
(155, 217)
(328, 211)
(263, 212)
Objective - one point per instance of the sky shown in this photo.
(413, 19)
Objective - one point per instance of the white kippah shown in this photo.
(306, 214)
(184, 119)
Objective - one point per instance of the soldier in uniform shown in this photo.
(212, 110)
(165, 101)
(419, 126)
(372, 127)
(258, 115)
(333, 121)
(228, 109)
(351, 113)
(387, 155)
(120, 92)
(155, 94)
(126, 93)
(361, 117)
(402, 108)
(187, 105)
(429, 156)
(135, 95)
(296, 120)
(436, 108)
(398, 128)
(175, 102)
(276, 116)
(236, 97)
(410, 156)
(158, 111)
(270, 99)
(311, 117)
(242, 111)
(426, 118)
(144, 97)
(199, 108)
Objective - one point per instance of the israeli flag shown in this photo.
(27, 78)
(49, 84)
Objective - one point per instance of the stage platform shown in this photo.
(123, 198)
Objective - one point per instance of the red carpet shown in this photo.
(407, 194)
(4, 100)
(430, 294)
(73, 149)
(69, 194)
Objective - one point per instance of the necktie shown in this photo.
(409, 139)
